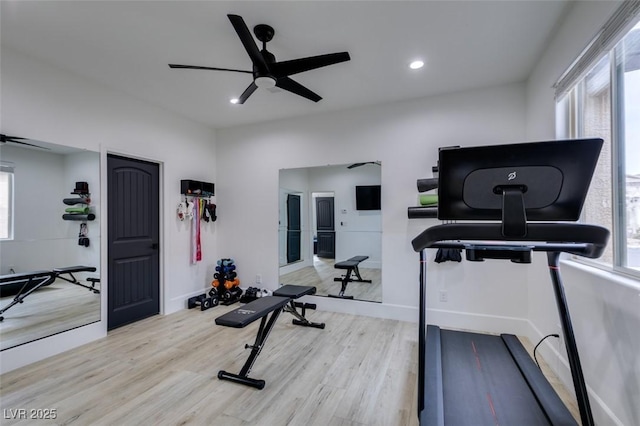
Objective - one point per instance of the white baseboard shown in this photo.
(369, 309)
(35, 351)
(180, 302)
(477, 322)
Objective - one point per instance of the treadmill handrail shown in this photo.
(575, 238)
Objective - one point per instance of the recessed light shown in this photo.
(416, 65)
(234, 100)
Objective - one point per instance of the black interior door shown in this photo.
(294, 233)
(133, 188)
(325, 226)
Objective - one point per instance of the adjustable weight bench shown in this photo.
(351, 265)
(25, 283)
(259, 309)
(71, 269)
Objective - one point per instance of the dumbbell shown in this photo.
(203, 301)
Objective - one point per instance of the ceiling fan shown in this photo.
(15, 139)
(268, 73)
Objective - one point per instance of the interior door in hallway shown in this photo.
(325, 227)
(294, 230)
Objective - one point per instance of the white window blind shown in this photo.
(610, 33)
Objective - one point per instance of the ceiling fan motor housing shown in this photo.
(264, 32)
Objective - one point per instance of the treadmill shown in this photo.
(522, 198)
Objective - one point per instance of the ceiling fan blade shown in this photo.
(195, 67)
(249, 43)
(285, 68)
(30, 144)
(6, 138)
(353, 166)
(16, 139)
(294, 87)
(247, 92)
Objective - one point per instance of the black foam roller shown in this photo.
(425, 185)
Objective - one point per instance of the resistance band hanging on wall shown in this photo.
(196, 248)
(196, 207)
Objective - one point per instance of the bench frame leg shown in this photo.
(19, 298)
(346, 279)
(301, 319)
(263, 332)
(74, 280)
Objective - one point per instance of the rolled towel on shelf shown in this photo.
(80, 210)
(428, 199)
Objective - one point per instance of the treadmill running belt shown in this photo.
(494, 391)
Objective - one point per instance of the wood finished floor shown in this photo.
(162, 371)
(321, 276)
(52, 309)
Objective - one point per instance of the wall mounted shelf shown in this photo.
(197, 188)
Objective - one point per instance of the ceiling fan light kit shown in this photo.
(265, 82)
(267, 72)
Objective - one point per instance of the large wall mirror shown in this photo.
(327, 216)
(39, 184)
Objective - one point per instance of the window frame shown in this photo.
(569, 110)
(8, 169)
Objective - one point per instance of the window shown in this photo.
(605, 103)
(6, 201)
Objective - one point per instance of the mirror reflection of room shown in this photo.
(49, 240)
(330, 230)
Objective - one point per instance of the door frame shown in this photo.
(104, 228)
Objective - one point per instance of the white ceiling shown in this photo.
(126, 45)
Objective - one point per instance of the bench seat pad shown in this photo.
(246, 314)
(74, 269)
(294, 291)
(351, 262)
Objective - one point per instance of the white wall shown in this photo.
(85, 167)
(405, 136)
(42, 239)
(605, 307)
(45, 103)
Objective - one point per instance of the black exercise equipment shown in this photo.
(61, 272)
(296, 292)
(226, 282)
(471, 378)
(260, 309)
(27, 283)
(203, 301)
(351, 265)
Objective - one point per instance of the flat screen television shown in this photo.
(368, 197)
(552, 176)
